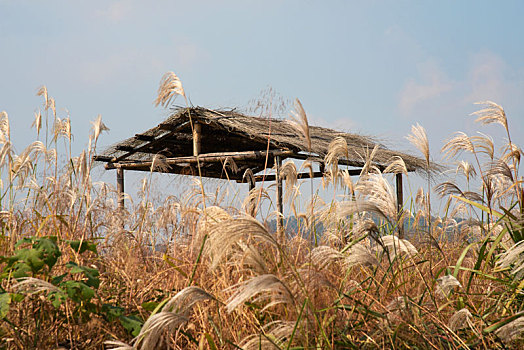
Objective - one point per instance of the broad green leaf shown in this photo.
(5, 300)
(132, 324)
(78, 291)
(112, 312)
(82, 246)
(150, 305)
(90, 273)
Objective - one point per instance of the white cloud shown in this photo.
(116, 11)
(486, 79)
(431, 83)
(189, 55)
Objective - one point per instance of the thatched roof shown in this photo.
(229, 132)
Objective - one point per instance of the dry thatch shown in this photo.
(241, 139)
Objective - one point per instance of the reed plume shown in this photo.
(170, 87)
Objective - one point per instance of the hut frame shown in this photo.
(203, 142)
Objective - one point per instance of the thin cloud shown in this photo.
(116, 11)
(432, 83)
(487, 78)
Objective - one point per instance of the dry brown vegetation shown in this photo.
(78, 272)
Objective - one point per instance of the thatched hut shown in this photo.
(201, 142)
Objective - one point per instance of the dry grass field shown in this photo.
(78, 273)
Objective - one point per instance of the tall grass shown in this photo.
(223, 280)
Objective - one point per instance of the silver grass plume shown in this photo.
(51, 104)
(268, 284)
(34, 285)
(513, 259)
(323, 255)
(4, 125)
(397, 246)
(484, 144)
(98, 127)
(183, 302)
(300, 122)
(62, 128)
(274, 336)
(248, 176)
(397, 166)
(419, 139)
(511, 152)
(229, 163)
(224, 235)
(170, 87)
(42, 91)
(467, 169)
(250, 257)
(492, 113)
(346, 208)
(153, 332)
(214, 215)
(368, 157)
(396, 307)
(446, 284)
(288, 172)
(337, 149)
(253, 199)
(450, 188)
(461, 320)
(308, 164)
(398, 304)
(380, 193)
(118, 345)
(359, 254)
(512, 332)
(159, 164)
(500, 168)
(348, 182)
(459, 143)
(173, 315)
(310, 279)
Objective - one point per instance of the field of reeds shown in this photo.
(193, 272)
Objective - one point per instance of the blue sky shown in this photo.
(374, 67)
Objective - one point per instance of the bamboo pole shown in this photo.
(280, 206)
(400, 202)
(120, 187)
(208, 157)
(197, 139)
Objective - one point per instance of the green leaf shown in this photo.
(461, 259)
(150, 305)
(48, 249)
(25, 261)
(480, 206)
(132, 324)
(112, 312)
(58, 279)
(78, 291)
(5, 300)
(501, 323)
(57, 298)
(44, 251)
(89, 273)
(82, 246)
(210, 341)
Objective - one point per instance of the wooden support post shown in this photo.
(120, 186)
(197, 139)
(400, 202)
(280, 206)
